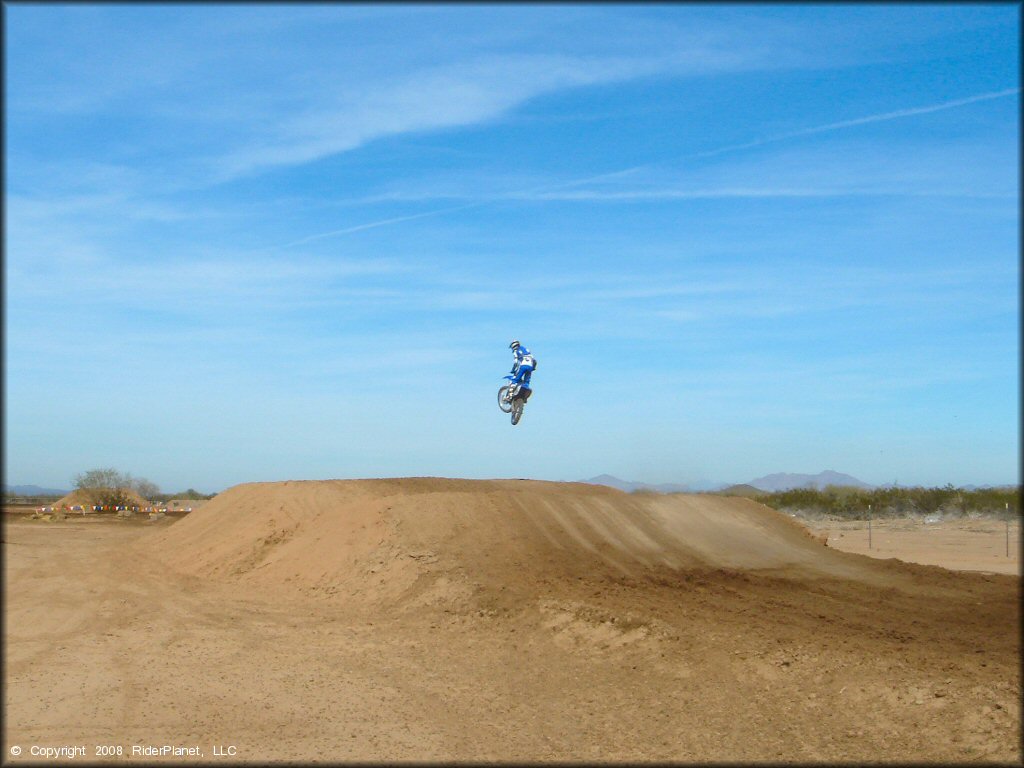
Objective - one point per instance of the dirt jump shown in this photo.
(431, 619)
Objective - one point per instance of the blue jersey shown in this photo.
(523, 366)
(522, 357)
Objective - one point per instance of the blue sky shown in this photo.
(259, 242)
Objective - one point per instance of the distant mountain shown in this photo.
(782, 481)
(629, 487)
(33, 490)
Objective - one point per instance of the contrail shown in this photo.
(906, 112)
(382, 222)
(858, 121)
(709, 153)
(439, 211)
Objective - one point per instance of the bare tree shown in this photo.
(102, 479)
(147, 489)
(111, 487)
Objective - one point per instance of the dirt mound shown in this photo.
(87, 497)
(457, 621)
(430, 539)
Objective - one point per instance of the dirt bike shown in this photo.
(512, 398)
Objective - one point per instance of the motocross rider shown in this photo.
(522, 368)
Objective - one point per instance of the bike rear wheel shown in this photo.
(503, 402)
(517, 411)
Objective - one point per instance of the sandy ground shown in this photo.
(437, 620)
(987, 545)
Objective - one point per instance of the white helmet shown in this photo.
(514, 345)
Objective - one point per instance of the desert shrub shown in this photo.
(192, 494)
(853, 503)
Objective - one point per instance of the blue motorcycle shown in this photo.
(512, 398)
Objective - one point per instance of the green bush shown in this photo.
(856, 503)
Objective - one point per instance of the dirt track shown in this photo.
(991, 546)
(425, 619)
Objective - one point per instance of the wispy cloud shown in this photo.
(203, 283)
(554, 191)
(783, 137)
(667, 193)
(467, 93)
(342, 114)
(789, 177)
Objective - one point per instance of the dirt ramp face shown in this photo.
(314, 536)
(739, 533)
(432, 540)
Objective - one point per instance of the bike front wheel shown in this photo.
(503, 400)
